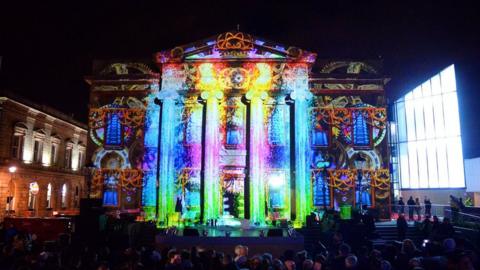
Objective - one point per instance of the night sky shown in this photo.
(48, 48)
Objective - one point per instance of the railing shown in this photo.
(436, 210)
(440, 210)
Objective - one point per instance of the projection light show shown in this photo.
(235, 128)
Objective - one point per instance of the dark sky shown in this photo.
(48, 48)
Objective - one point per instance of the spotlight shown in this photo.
(276, 181)
(12, 169)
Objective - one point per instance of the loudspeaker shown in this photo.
(275, 233)
(190, 232)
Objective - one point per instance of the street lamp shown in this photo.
(360, 163)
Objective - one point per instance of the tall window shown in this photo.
(53, 154)
(429, 142)
(114, 130)
(37, 150)
(17, 146)
(80, 159)
(68, 157)
(32, 195)
(49, 196)
(64, 196)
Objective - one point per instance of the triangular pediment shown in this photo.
(234, 46)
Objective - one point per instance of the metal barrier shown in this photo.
(436, 210)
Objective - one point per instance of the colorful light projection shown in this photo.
(257, 94)
(208, 84)
(173, 82)
(277, 157)
(149, 165)
(301, 95)
(188, 156)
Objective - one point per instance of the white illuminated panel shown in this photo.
(429, 139)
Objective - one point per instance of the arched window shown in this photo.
(32, 195)
(64, 196)
(49, 196)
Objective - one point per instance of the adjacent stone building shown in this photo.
(42, 156)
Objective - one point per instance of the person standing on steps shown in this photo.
(411, 207)
(428, 207)
(418, 208)
(402, 227)
(401, 206)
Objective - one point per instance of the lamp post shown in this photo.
(12, 170)
(360, 163)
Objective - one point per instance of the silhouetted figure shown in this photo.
(426, 228)
(411, 207)
(454, 208)
(402, 227)
(428, 207)
(401, 206)
(178, 205)
(418, 208)
(446, 229)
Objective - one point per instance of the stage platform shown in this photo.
(217, 239)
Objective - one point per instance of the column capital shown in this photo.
(168, 94)
(251, 94)
(211, 94)
(301, 94)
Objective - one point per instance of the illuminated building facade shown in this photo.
(238, 127)
(42, 155)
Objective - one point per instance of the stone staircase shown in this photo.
(387, 232)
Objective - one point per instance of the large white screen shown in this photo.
(429, 139)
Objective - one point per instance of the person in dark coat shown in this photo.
(428, 207)
(401, 206)
(402, 227)
(411, 207)
(178, 205)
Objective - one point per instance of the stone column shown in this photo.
(256, 158)
(166, 203)
(303, 185)
(212, 199)
(173, 80)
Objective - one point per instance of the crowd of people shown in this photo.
(344, 245)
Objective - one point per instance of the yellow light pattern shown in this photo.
(262, 77)
(207, 80)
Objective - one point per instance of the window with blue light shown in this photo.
(321, 191)
(114, 130)
(361, 134)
